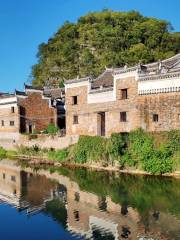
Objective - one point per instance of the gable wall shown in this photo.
(37, 110)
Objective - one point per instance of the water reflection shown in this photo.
(80, 204)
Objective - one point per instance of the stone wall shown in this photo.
(88, 119)
(44, 141)
(166, 105)
(139, 108)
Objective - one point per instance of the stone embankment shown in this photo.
(41, 140)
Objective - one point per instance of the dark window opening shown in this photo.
(76, 197)
(11, 123)
(13, 178)
(75, 119)
(4, 176)
(2, 123)
(74, 100)
(102, 204)
(125, 232)
(123, 116)
(76, 215)
(124, 209)
(155, 118)
(124, 93)
(12, 110)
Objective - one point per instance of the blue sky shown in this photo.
(24, 24)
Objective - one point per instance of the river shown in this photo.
(62, 203)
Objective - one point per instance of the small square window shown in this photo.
(75, 119)
(13, 178)
(74, 100)
(155, 118)
(11, 123)
(2, 123)
(123, 116)
(124, 93)
(12, 110)
(76, 197)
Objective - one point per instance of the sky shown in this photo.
(24, 24)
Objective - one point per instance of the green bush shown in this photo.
(59, 155)
(52, 129)
(2, 153)
(174, 140)
(143, 154)
(91, 149)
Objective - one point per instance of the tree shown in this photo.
(102, 39)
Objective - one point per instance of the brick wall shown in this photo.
(36, 111)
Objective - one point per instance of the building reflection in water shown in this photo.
(80, 212)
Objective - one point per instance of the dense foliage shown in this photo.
(101, 39)
(134, 150)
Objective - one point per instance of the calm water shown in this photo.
(80, 204)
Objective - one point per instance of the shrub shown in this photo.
(140, 147)
(91, 149)
(159, 164)
(118, 144)
(174, 140)
(52, 129)
(59, 155)
(2, 153)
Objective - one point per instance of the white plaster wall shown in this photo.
(126, 75)
(8, 100)
(159, 85)
(76, 84)
(101, 97)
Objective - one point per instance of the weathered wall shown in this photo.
(37, 111)
(166, 105)
(88, 112)
(9, 131)
(48, 142)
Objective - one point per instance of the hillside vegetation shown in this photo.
(103, 39)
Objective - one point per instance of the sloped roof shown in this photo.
(20, 93)
(167, 63)
(6, 95)
(54, 92)
(33, 87)
(104, 80)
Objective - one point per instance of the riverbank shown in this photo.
(135, 153)
(117, 169)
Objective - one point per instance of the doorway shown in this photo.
(30, 129)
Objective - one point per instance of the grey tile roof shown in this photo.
(104, 80)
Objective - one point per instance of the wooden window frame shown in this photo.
(12, 109)
(155, 118)
(124, 96)
(12, 123)
(123, 116)
(74, 100)
(75, 119)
